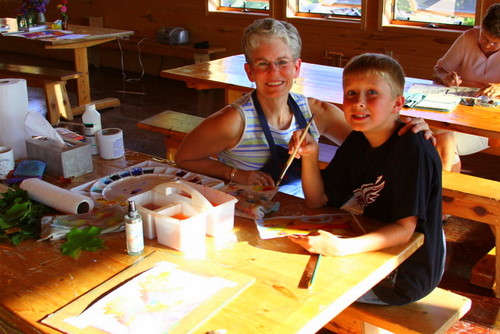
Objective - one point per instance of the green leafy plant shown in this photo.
(85, 238)
(19, 216)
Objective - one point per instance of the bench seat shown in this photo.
(435, 313)
(52, 80)
(471, 197)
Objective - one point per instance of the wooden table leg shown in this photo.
(232, 95)
(83, 85)
(83, 82)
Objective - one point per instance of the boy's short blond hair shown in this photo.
(373, 63)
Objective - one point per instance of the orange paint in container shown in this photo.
(180, 216)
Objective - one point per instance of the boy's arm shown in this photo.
(325, 243)
(312, 182)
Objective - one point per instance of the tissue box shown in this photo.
(70, 160)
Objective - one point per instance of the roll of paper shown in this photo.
(13, 111)
(110, 142)
(57, 198)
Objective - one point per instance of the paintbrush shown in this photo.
(292, 156)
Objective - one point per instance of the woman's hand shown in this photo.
(490, 90)
(417, 125)
(452, 79)
(253, 177)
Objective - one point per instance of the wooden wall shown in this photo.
(416, 50)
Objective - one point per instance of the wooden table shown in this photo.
(325, 83)
(37, 280)
(174, 125)
(79, 46)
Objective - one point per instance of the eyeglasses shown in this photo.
(265, 65)
(483, 39)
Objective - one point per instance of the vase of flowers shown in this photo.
(63, 9)
(34, 11)
(40, 18)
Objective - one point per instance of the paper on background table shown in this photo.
(232, 284)
(442, 90)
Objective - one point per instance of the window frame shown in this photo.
(288, 9)
(212, 8)
(386, 23)
(292, 13)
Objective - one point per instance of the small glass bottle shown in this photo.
(64, 23)
(133, 230)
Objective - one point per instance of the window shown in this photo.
(258, 6)
(431, 13)
(330, 8)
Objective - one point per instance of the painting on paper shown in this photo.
(156, 300)
(338, 223)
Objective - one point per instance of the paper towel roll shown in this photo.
(13, 111)
(57, 198)
(110, 142)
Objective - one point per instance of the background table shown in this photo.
(92, 36)
(37, 280)
(325, 83)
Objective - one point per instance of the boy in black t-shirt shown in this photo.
(391, 178)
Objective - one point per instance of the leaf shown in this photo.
(85, 238)
(19, 216)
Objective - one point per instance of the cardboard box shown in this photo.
(70, 160)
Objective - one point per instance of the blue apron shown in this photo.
(279, 155)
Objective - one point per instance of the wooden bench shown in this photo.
(436, 313)
(471, 197)
(52, 80)
(476, 199)
(150, 46)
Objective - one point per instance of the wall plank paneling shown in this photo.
(417, 50)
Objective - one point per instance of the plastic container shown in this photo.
(171, 211)
(220, 218)
(91, 124)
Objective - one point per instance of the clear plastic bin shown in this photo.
(181, 213)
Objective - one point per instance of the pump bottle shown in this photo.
(91, 124)
(133, 230)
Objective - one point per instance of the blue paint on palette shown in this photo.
(136, 171)
(105, 180)
(125, 174)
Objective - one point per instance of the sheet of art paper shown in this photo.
(166, 298)
(275, 227)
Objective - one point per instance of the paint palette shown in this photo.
(118, 187)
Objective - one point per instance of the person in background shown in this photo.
(375, 172)
(250, 136)
(472, 61)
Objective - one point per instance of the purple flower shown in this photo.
(38, 6)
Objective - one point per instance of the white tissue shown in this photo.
(36, 125)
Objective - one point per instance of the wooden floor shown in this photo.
(467, 241)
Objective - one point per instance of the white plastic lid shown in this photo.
(90, 107)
